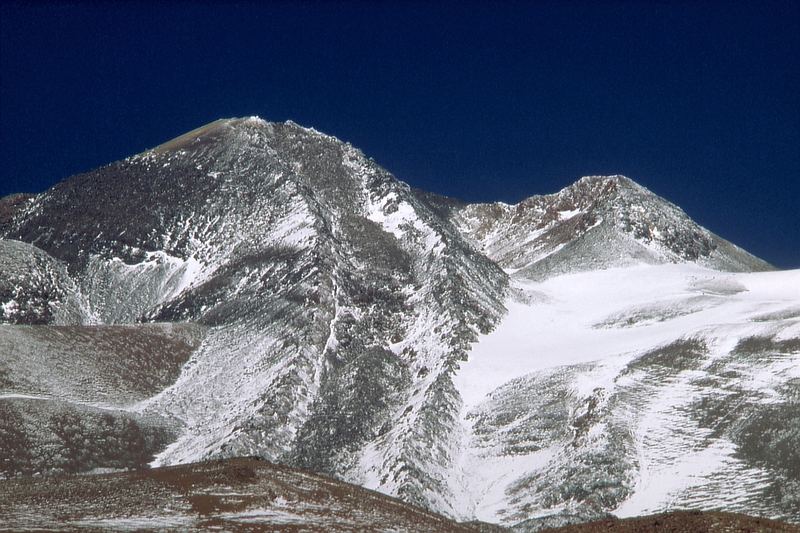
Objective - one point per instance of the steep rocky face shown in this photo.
(339, 305)
(35, 288)
(598, 222)
(9, 205)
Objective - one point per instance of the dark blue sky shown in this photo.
(697, 101)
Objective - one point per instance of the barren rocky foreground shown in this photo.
(253, 495)
(682, 521)
(235, 494)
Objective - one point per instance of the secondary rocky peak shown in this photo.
(597, 222)
(591, 191)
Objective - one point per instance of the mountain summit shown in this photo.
(338, 304)
(255, 288)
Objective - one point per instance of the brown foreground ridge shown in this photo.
(683, 522)
(231, 495)
(248, 494)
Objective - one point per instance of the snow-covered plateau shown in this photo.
(263, 289)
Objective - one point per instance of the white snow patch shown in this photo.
(135, 523)
(493, 475)
(559, 329)
(567, 214)
(400, 219)
(10, 308)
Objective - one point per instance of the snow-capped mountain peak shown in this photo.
(338, 302)
(311, 309)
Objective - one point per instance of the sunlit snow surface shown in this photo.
(585, 347)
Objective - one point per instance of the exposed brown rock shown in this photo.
(234, 495)
(682, 522)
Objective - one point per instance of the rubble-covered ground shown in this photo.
(226, 495)
(683, 522)
(254, 495)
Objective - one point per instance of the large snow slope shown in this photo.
(647, 388)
